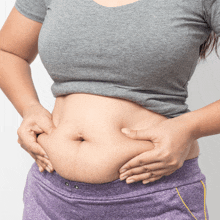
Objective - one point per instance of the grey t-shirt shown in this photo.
(144, 52)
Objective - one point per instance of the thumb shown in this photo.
(48, 126)
(143, 134)
(38, 150)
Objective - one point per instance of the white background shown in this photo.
(15, 162)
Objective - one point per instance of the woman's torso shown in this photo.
(91, 125)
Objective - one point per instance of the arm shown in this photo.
(204, 121)
(18, 48)
(16, 82)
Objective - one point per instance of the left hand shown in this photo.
(172, 139)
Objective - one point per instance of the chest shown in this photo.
(138, 41)
(148, 26)
(114, 3)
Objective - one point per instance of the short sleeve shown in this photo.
(33, 9)
(212, 14)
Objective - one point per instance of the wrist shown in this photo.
(191, 124)
(30, 105)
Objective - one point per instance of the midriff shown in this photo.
(87, 144)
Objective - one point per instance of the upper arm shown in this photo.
(212, 14)
(19, 36)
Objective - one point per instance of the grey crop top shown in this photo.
(144, 52)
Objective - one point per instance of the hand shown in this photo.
(172, 139)
(36, 120)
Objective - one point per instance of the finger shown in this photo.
(145, 176)
(45, 161)
(29, 144)
(37, 129)
(37, 149)
(32, 155)
(147, 157)
(19, 141)
(143, 169)
(143, 134)
(24, 147)
(47, 125)
(41, 169)
(158, 174)
(131, 172)
(41, 165)
(45, 166)
(41, 162)
(152, 179)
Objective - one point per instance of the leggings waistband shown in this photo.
(187, 174)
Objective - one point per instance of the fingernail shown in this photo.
(48, 169)
(145, 182)
(49, 166)
(124, 177)
(130, 181)
(125, 130)
(41, 169)
(122, 171)
(46, 156)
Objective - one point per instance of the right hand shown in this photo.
(36, 120)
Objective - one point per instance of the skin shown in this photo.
(171, 143)
(88, 145)
(114, 3)
(172, 140)
(22, 50)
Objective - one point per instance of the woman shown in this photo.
(118, 64)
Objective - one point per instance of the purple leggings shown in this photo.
(181, 195)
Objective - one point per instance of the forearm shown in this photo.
(204, 121)
(16, 81)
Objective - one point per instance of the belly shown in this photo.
(87, 144)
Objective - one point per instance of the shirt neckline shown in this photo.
(122, 7)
